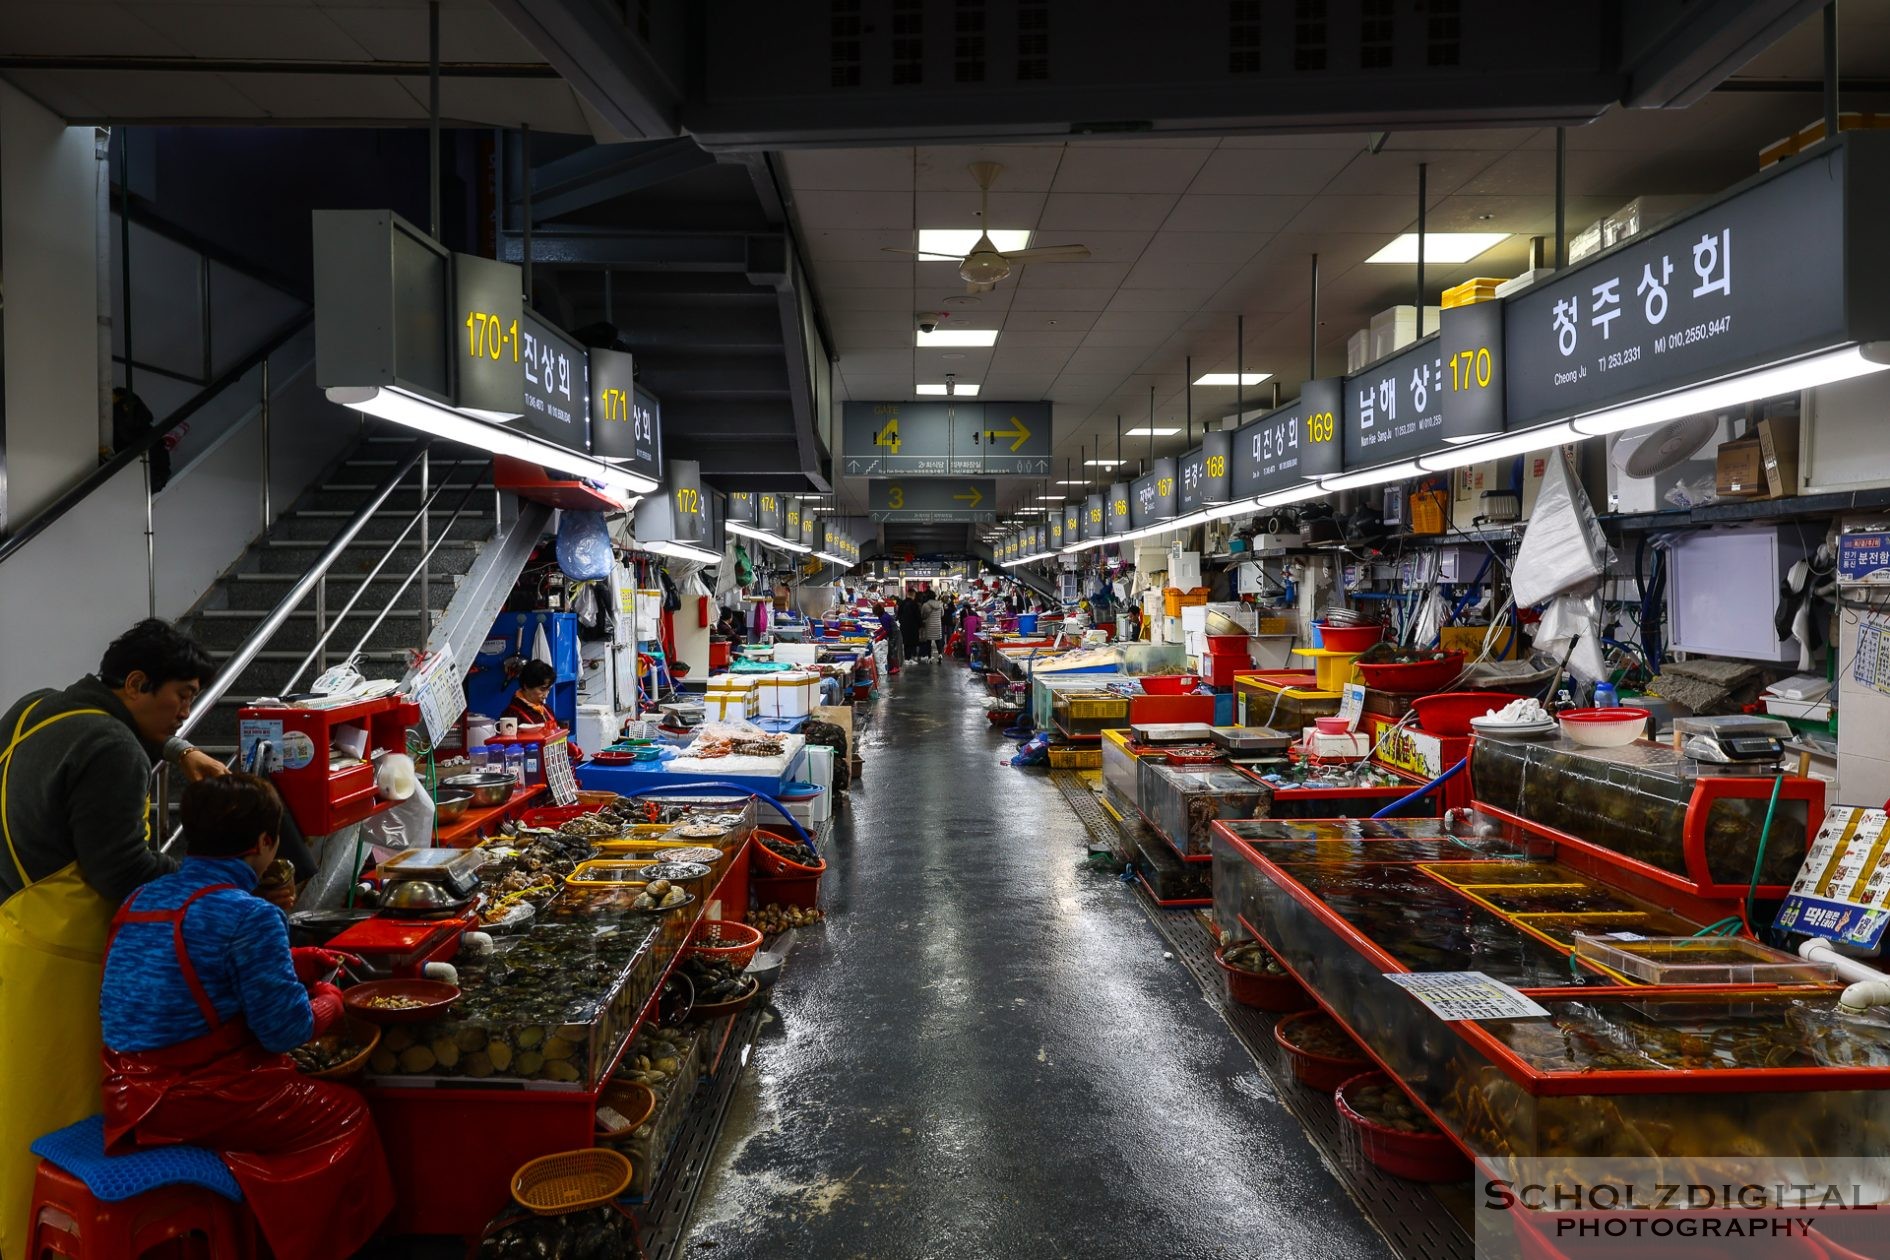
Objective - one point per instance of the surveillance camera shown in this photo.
(927, 324)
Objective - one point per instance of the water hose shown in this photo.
(1424, 791)
(779, 808)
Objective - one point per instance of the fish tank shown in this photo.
(1651, 803)
(549, 1008)
(1183, 803)
(1167, 877)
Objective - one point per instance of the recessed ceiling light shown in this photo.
(958, 337)
(963, 391)
(1104, 463)
(1072, 483)
(1150, 432)
(958, 241)
(1227, 378)
(1049, 498)
(1443, 247)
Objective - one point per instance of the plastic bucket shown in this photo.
(1414, 1156)
(1027, 623)
(1282, 994)
(1323, 1072)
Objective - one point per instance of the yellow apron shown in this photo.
(52, 946)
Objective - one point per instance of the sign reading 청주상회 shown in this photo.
(1758, 276)
(1289, 445)
(944, 439)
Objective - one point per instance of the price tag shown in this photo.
(1352, 705)
(1461, 995)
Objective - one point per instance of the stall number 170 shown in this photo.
(1470, 369)
(487, 335)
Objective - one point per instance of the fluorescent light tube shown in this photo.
(678, 550)
(956, 337)
(1104, 463)
(1439, 247)
(1298, 494)
(830, 558)
(1372, 476)
(960, 390)
(1228, 378)
(1782, 378)
(959, 241)
(442, 421)
(1147, 432)
(1500, 448)
(1051, 498)
(1072, 483)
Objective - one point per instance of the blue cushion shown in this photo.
(79, 1149)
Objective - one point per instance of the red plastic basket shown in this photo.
(739, 941)
(1413, 676)
(1323, 1072)
(1266, 993)
(1169, 684)
(768, 862)
(1413, 1156)
(1449, 713)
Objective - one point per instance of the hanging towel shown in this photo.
(541, 644)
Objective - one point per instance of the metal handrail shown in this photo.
(328, 632)
(122, 460)
(272, 622)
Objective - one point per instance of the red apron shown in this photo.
(305, 1152)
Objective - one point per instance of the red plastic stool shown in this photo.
(68, 1221)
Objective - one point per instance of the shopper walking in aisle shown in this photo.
(895, 641)
(909, 625)
(931, 627)
(75, 815)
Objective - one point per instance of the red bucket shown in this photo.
(1282, 994)
(1349, 638)
(1413, 676)
(768, 862)
(1323, 1072)
(1414, 1156)
(1449, 713)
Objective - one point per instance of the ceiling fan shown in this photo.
(985, 265)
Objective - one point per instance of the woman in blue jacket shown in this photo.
(202, 1000)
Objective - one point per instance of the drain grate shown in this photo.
(1089, 810)
(1419, 1222)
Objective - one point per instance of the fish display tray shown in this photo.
(1183, 803)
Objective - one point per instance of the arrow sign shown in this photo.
(938, 500)
(1017, 431)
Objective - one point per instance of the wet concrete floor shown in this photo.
(984, 1052)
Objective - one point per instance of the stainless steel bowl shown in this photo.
(488, 789)
(450, 804)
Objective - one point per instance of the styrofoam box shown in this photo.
(730, 706)
(820, 765)
(796, 653)
(792, 693)
(1358, 349)
(597, 726)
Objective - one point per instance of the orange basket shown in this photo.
(1427, 512)
(571, 1181)
(1174, 599)
(768, 862)
(739, 941)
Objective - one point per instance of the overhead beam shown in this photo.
(278, 65)
(593, 176)
(1706, 42)
(589, 46)
(630, 250)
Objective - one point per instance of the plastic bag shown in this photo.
(407, 824)
(1563, 551)
(584, 546)
(394, 776)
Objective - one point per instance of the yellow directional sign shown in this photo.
(1017, 432)
(974, 498)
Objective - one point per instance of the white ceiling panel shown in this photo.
(1101, 360)
(470, 30)
(1196, 247)
(848, 170)
(854, 245)
(331, 96)
(960, 209)
(1027, 167)
(1025, 299)
(1161, 275)
(884, 300)
(853, 210)
(1113, 169)
(1074, 212)
(1043, 338)
(891, 274)
(1106, 246)
(1227, 212)
(1076, 275)
(1381, 216)
(1178, 300)
(883, 362)
(1162, 322)
(1274, 171)
(1393, 174)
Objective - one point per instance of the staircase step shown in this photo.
(265, 676)
(348, 493)
(290, 555)
(263, 591)
(321, 524)
(226, 630)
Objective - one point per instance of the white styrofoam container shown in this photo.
(796, 653)
(792, 693)
(597, 726)
(814, 810)
(731, 706)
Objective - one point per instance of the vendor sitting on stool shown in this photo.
(534, 688)
(202, 999)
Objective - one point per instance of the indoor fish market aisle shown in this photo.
(984, 1051)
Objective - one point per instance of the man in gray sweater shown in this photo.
(75, 771)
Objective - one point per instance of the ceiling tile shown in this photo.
(1095, 168)
(889, 210)
(1177, 300)
(1382, 217)
(1114, 320)
(1076, 275)
(55, 27)
(848, 170)
(1073, 212)
(1161, 275)
(1226, 249)
(398, 32)
(1299, 170)
(253, 31)
(1027, 167)
(1394, 174)
(1105, 246)
(1227, 212)
(853, 245)
(960, 209)
(887, 300)
(891, 274)
(1060, 299)
(882, 362)
(1036, 338)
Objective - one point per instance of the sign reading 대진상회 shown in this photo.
(1289, 445)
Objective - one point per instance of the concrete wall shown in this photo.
(49, 257)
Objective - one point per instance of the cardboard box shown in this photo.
(1740, 470)
(1778, 451)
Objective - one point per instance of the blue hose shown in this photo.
(779, 808)
(1424, 791)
